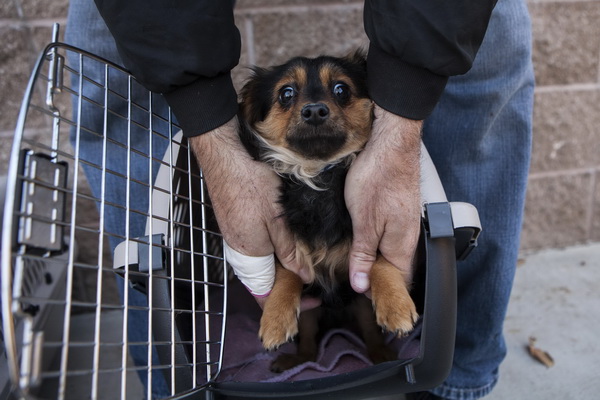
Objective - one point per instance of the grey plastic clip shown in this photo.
(439, 218)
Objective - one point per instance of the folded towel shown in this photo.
(340, 350)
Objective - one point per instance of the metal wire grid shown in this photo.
(56, 267)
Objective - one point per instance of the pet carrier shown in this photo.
(113, 272)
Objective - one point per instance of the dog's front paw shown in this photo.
(278, 325)
(279, 321)
(395, 310)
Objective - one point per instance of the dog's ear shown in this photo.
(358, 58)
(256, 96)
(255, 102)
(355, 65)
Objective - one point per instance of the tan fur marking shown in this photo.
(275, 126)
(327, 75)
(324, 264)
(359, 114)
(298, 76)
(279, 321)
(394, 308)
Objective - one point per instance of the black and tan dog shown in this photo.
(308, 119)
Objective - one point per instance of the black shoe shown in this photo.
(422, 396)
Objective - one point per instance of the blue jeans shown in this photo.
(479, 137)
(86, 30)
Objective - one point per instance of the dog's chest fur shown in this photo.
(323, 228)
(318, 217)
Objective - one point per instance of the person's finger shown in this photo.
(362, 256)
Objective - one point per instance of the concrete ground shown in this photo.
(555, 299)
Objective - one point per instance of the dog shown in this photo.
(308, 119)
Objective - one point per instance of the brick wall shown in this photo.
(563, 201)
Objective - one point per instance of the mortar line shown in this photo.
(249, 31)
(598, 59)
(561, 173)
(27, 132)
(34, 23)
(300, 8)
(568, 87)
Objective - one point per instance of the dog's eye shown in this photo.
(341, 91)
(286, 95)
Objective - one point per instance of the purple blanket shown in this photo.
(340, 351)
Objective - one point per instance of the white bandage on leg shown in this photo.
(256, 273)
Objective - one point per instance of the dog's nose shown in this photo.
(315, 114)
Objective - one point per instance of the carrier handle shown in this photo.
(465, 218)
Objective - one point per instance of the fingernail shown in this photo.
(360, 282)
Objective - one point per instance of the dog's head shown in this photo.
(307, 113)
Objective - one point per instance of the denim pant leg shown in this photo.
(479, 137)
(86, 30)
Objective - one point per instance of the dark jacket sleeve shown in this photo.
(184, 49)
(415, 45)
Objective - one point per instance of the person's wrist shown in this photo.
(225, 134)
(399, 133)
(216, 147)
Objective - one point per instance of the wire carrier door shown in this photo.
(101, 181)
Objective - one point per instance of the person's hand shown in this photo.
(244, 196)
(383, 197)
